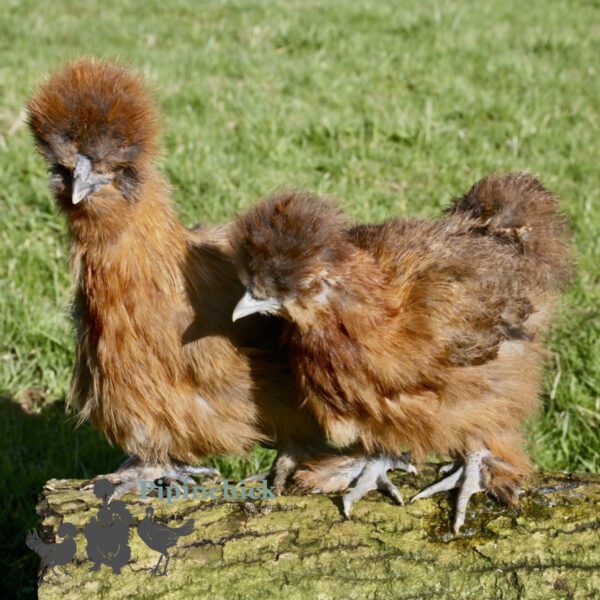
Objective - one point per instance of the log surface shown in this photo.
(301, 547)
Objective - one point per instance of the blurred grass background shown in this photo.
(392, 107)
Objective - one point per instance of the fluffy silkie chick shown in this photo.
(416, 334)
(160, 368)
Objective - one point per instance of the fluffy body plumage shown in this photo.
(160, 368)
(415, 333)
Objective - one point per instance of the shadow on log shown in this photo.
(301, 546)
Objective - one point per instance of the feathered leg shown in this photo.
(288, 459)
(283, 466)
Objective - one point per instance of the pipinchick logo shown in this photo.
(107, 533)
(223, 491)
(107, 537)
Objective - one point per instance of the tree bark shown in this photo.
(301, 547)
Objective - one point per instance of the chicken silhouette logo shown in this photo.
(160, 537)
(55, 555)
(107, 536)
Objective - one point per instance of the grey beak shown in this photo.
(250, 305)
(82, 184)
(85, 181)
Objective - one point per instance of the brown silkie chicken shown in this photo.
(160, 368)
(416, 334)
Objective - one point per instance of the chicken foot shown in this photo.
(468, 478)
(283, 466)
(156, 571)
(133, 472)
(373, 476)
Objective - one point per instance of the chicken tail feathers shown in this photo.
(186, 528)
(518, 209)
(34, 542)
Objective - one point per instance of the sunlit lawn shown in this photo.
(392, 107)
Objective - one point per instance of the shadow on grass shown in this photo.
(37, 444)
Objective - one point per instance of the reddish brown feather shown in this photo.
(160, 368)
(115, 118)
(418, 334)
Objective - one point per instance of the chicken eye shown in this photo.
(60, 177)
(60, 171)
(127, 180)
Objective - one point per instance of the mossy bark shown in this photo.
(301, 547)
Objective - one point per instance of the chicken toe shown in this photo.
(446, 468)
(374, 477)
(133, 472)
(467, 478)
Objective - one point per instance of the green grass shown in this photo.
(392, 107)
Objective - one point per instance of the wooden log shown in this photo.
(302, 547)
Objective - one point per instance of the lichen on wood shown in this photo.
(302, 547)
